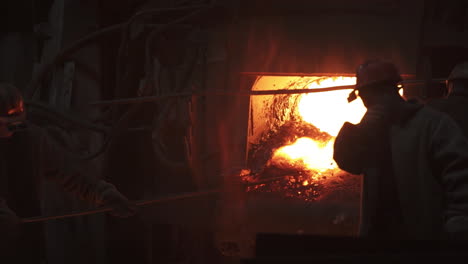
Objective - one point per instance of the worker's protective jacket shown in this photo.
(26, 159)
(428, 160)
(456, 106)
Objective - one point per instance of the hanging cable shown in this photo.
(64, 54)
(121, 123)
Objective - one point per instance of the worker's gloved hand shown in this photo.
(119, 203)
(9, 225)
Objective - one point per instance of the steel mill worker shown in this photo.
(28, 155)
(414, 162)
(456, 103)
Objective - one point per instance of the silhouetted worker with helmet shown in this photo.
(456, 103)
(414, 162)
(28, 155)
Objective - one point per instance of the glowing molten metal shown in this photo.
(327, 111)
(315, 155)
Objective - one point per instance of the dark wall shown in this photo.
(332, 36)
(22, 15)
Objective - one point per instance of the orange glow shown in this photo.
(244, 172)
(317, 156)
(306, 160)
(18, 109)
(329, 110)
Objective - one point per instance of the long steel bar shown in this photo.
(160, 200)
(148, 99)
(108, 209)
(314, 74)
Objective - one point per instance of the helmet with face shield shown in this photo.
(457, 82)
(373, 75)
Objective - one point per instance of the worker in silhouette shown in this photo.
(456, 102)
(27, 156)
(414, 162)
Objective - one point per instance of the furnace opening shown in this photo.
(291, 136)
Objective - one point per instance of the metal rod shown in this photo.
(148, 99)
(309, 74)
(295, 74)
(423, 81)
(108, 209)
(160, 200)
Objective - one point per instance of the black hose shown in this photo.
(126, 29)
(120, 125)
(63, 55)
(47, 68)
